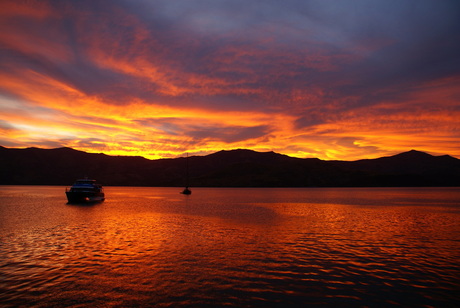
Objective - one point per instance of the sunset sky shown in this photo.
(329, 79)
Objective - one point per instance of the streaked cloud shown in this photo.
(327, 79)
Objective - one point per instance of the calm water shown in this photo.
(231, 247)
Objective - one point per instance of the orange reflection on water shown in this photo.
(233, 246)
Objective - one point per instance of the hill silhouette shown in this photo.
(234, 168)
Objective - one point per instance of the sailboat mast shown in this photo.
(186, 191)
(186, 171)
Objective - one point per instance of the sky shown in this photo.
(336, 80)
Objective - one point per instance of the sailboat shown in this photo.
(186, 190)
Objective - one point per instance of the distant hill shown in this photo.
(235, 168)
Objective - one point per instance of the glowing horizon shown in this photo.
(342, 81)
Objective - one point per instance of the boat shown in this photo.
(85, 190)
(187, 190)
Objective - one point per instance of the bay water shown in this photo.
(231, 247)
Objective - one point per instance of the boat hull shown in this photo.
(83, 197)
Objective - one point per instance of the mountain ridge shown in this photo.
(226, 168)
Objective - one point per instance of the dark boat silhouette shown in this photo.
(85, 190)
(186, 191)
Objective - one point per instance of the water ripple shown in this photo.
(158, 251)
